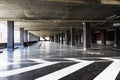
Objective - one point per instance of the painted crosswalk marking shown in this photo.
(25, 69)
(65, 71)
(39, 60)
(74, 59)
(111, 72)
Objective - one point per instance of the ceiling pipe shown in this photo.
(107, 20)
(116, 24)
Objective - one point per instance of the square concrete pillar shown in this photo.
(38, 38)
(52, 38)
(72, 36)
(87, 36)
(10, 32)
(29, 37)
(80, 38)
(22, 36)
(116, 37)
(103, 37)
(26, 36)
(67, 38)
(62, 36)
(56, 38)
(59, 38)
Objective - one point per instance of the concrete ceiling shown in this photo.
(48, 17)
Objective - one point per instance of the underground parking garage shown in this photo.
(59, 40)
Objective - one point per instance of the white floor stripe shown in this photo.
(39, 60)
(22, 70)
(111, 59)
(3, 63)
(8, 63)
(110, 73)
(65, 71)
(73, 59)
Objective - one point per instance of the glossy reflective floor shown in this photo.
(53, 61)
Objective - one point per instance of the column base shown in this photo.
(86, 49)
(10, 49)
(116, 45)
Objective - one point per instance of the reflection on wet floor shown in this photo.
(54, 50)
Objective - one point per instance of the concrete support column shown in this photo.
(93, 37)
(25, 36)
(67, 38)
(92, 34)
(62, 36)
(21, 36)
(103, 37)
(56, 38)
(59, 38)
(72, 36)
(76, 38)
(52, 38)
(38, 38)
(10, 32)
(86, 35)
(30, 37)
(80, 38)
(116, 37)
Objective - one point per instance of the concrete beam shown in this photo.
(54, 21)
(67, 1)
(114, 2)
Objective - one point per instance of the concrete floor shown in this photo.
(52, 61)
